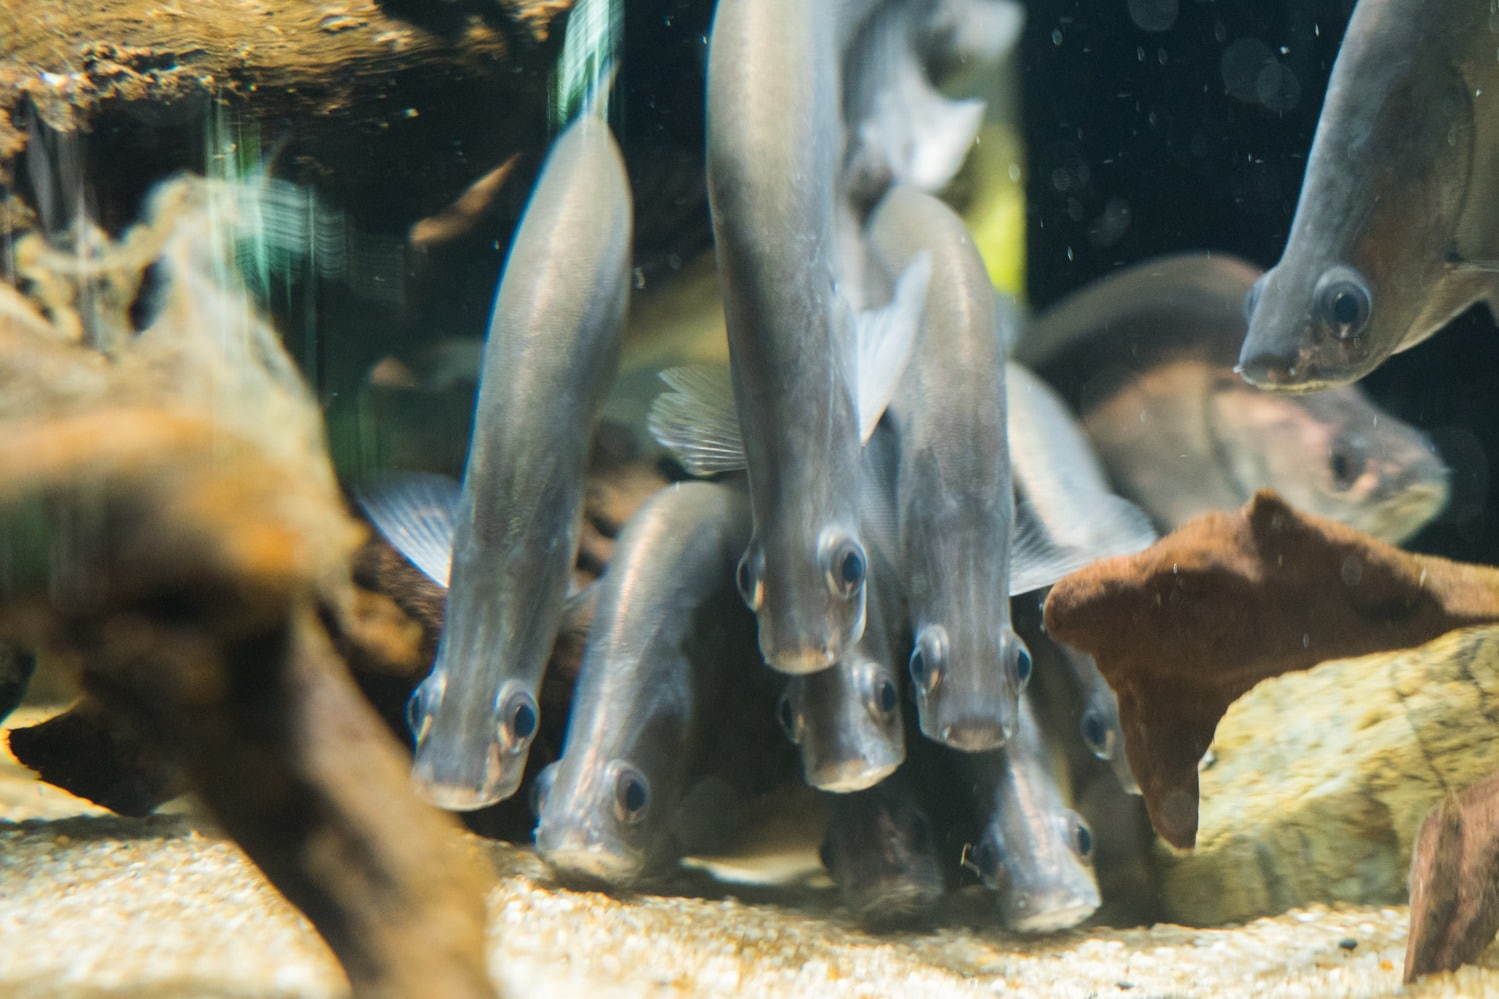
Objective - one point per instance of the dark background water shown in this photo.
(1143, 142)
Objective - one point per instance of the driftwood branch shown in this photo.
(169, 521)
(343, 88)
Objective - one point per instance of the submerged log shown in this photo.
(334, 81)
(170, 522)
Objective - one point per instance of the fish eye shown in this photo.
(1346, 462)
(541, 787)
(520, 717)
(846, 568)
(1097, 735)
(786, 714)
(631, 794)
(1082, 837)
(1022, 664)
(1252, 299)
(926, 658)
(886, 697)
(1343, 302)
(748, 581)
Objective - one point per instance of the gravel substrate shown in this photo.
(93, 905)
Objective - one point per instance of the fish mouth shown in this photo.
(1040, 914)
(804, 660)
(466, 791)
(588, 861)
(843, 776)
(1296, 373)
(972, 733)
(460, 797)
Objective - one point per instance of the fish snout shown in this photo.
(459, 797)
(804, 659)
(463, 779)
(843, 775)
(968, 722)
(1046, 912)
(1270, 369)
(590, 862)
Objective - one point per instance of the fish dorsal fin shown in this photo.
(416, 513)
(1037, 561)
(695, 419)
(885, 338)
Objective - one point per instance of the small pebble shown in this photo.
(1347, 943)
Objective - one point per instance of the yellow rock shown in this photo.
(1320, 780)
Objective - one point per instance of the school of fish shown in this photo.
(897, 460)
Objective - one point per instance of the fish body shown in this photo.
(1147, 353)
(1032, 849)
(550, 354)
(647, 677)
(881, 851)
(774, 146)
(846, 720)
(1397, 227)
(955, 504)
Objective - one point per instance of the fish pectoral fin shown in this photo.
(695, 419)
(885, 338)
(1120, 528)
(416, 513)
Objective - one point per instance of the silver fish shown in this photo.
(954, 500)
(1034, 850)
(551, 351)
(846, 720)
(1397, 227)
(774, 144)
(881, 851)
(647, 675)
(1149, 351)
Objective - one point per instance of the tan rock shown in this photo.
(1319, 780)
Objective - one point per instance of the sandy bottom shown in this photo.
(92, 905)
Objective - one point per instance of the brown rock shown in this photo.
(1185, 627)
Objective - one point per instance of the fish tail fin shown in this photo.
(885, 338)
(696, 421)
(416, 513)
